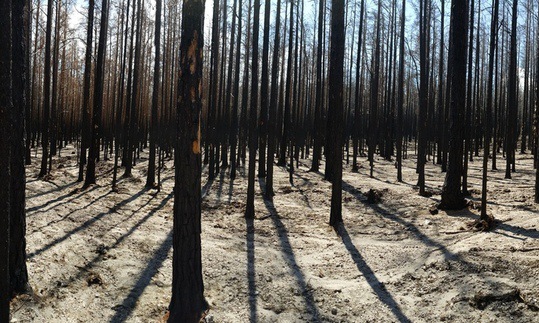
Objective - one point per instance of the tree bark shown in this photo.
(17, 252)
(150, 179)
(273, 104)
(188, 304)
(335, 113)
(452, 197)
(47, 93)
(98, 95)
(6, 107)
(253, 111)
(86, 110)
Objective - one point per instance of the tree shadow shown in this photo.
(220, 187)
(66, 216)
(206, 188)
(290, 259)
(378, 288)
(89, 265)
(60, 199)
(392, 215)
(56, 189)
(124, 310)
(251, 271)
(530, 233)
(86, 224)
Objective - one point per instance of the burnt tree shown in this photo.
(188, 303)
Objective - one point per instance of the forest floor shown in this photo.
(100, 256)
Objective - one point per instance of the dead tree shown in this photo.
(335, 113)
(452, 197)
(188, 303)
(98, 95)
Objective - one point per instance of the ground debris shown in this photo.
(374, 196)
(481, 300)
(94, 279)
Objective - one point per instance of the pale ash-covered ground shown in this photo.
(99, 256)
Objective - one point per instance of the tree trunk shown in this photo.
(400, 97)
(6, 107)
(452, 197)
(250, 208)
(233, 135)
(512, 96)
(17, 252)
(317, 149)
(488, 111)
(98, 95)
(264, 97)
(335, 113)
(273, 104)
(47, 93)
(84, 144)
(188, 304)
(150, 179)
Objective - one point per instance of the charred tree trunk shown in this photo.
(273, 104)
(335, 113)
(6, 107)
(46, 93)
(17, 252)
(150, 179)
(98, 95)
(86, 131)
(487, 129)
(512, 96)
(359, 95)
(233, 135)
(375, 83)
(400, 97)
(250, 208)
(188, 304)
(264, 97)
(452, 197)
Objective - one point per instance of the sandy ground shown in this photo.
(99, 256)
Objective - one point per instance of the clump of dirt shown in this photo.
(374, 196)
(94, 279)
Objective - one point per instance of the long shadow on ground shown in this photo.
(86, 224)
(251, 273)
(290, 258)
(382, 294)
(124, 310)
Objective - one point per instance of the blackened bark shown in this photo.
(188, 304)
(537, 123)
(488, 111)
(150, 179)
(317, 149)
(213, 97)
(17, 252)
(512, 96)
(6, 106)
(273, 104)
(264, 96)
(375, 83)
(86, 131)
(452, 197)
(358, 94)
(335, 113)
(253, 111)
(98, 95)
(288, 92)
(46, 93)
(233, 134)
(400, 96)
(424, 31)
